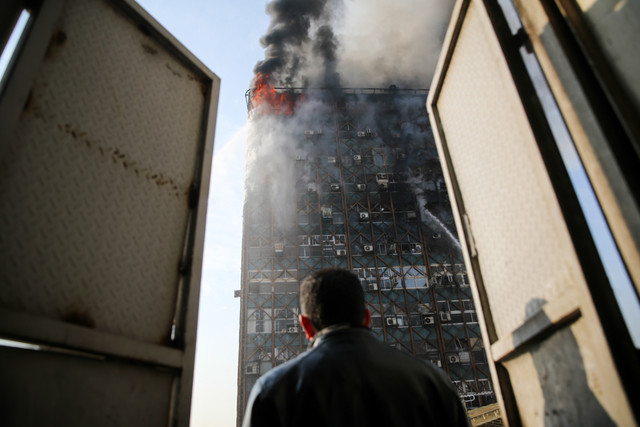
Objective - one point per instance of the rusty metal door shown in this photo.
(106, 142)
(561, 347)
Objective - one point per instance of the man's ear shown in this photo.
(307, 327)
(366, 320)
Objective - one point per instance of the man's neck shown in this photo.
(328, 330)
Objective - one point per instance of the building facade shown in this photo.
(357, 185)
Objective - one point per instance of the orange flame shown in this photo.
(266, 100)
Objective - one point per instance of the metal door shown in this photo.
(561, 350)
(107, 127)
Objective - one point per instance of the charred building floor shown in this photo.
(353, 180)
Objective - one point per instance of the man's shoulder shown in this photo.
(280, 373)
(407, 364)
(392, 352)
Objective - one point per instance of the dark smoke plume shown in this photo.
(288, 33)
(325, 46)
(355, 43)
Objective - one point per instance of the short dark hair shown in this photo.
(331, 296)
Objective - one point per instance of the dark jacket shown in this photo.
(351, 379)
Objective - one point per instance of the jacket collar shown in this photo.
(333, 330)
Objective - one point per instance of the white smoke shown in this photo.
(270, 144)
(384, 42)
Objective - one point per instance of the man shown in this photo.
(349, 378)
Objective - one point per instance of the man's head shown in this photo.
(329, 297)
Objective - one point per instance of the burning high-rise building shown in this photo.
(354, 182)
(348, 178)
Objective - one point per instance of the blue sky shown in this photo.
(224, 35)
